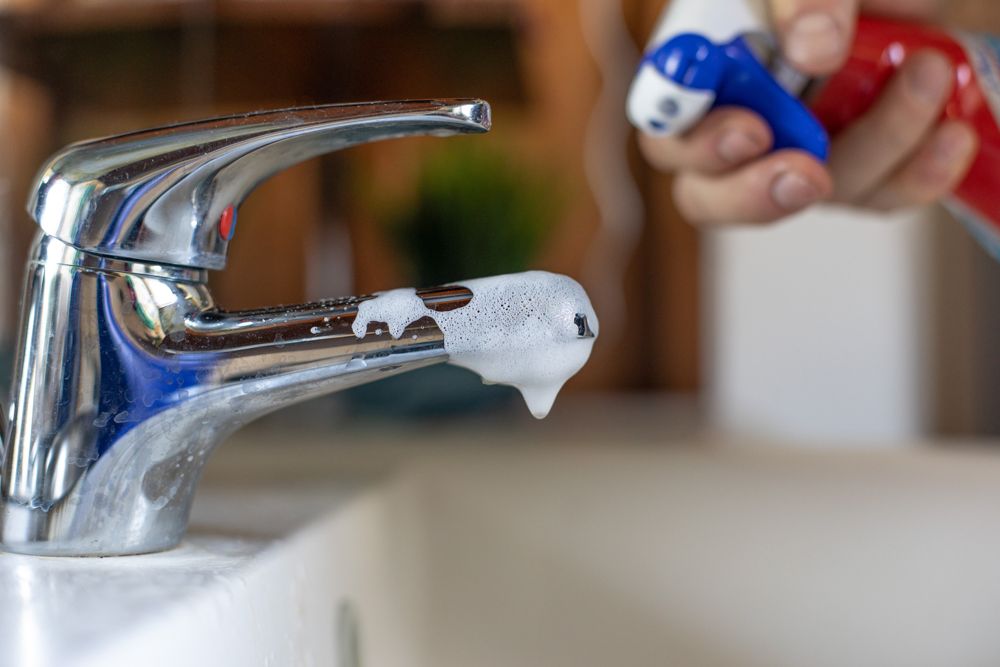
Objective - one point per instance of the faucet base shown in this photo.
(19, 521)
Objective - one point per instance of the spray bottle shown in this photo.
(711, 53)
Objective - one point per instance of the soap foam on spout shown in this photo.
(396, 308)
(520, 330)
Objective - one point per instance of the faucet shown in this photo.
(127, 373)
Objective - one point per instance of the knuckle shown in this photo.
(905, 196)
(906, 191)
(899, 128)
(900, 122)
(688, 203)
(664, 154)
(921, 191)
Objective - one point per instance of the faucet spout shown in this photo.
(274, 357)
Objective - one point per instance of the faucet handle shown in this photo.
(169, 195)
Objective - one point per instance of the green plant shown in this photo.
(476, 213)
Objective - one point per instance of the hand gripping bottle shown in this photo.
(712, 53)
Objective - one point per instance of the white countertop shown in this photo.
(559, 549)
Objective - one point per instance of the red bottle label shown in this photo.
(880, 48)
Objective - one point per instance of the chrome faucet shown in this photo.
(127, 374)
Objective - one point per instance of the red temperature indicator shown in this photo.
(227, 223)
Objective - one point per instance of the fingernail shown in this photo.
(793, 192)
(950, 152)
(929, 80)
(952, 143)
(736, 146)
(814, 41)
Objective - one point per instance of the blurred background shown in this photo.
(837, 327)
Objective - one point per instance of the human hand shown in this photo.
(899, 154)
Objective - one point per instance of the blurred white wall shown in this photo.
(819, 327)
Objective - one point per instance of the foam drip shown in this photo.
(521, 330)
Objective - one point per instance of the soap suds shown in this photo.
(522, 330)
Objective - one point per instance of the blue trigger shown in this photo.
(692, 61)
(733, 72)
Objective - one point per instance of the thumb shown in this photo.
(815, 35)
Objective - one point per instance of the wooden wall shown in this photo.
(107, 66)
(965, 313)
(104, 66)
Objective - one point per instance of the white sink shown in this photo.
(541, 553)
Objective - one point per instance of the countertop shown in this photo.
(610, 538)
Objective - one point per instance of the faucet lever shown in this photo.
(169, 195)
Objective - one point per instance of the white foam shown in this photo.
(519, 330)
